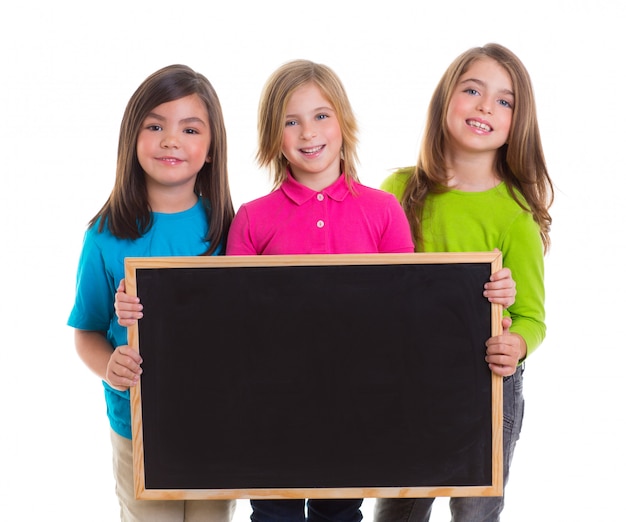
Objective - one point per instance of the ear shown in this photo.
(208, 159)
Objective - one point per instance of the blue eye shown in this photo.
(290, 123)
(505, 103)
(473, 92)
(321, 116)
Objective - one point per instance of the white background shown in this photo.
(67, 71)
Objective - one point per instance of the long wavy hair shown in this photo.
(520, 162)
(127, 212)
(273, 106)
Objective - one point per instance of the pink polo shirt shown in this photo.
(297, 220)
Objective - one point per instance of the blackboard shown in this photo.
(326, 376)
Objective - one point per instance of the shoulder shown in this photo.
(99, 233)
(516, 196)
(102, 251)
(364, 190)
(396, 182)
(512, 201)
(374, 196)
(256, 211)
(377, 204)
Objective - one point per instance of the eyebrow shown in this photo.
(482, 84)
(317, 109)
(191, 119)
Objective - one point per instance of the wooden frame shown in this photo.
(196, 440)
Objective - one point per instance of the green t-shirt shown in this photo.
(457, 221)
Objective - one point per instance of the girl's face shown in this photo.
(173, 145)
(481, 108)
(312, 138)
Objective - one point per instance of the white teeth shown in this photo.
(478, 125)
(311, 151)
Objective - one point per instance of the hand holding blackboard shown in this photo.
(505, 351)
(501, 287)
(128, 308)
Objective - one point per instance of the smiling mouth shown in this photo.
(479, 125)
(312, 150)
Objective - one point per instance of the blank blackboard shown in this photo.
(329, 376)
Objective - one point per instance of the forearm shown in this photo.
(94, 350)
(528, 311)
(522, 346)
(531, 331)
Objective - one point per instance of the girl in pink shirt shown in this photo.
(307, 137)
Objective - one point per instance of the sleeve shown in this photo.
(239, 239)
(523, 254)
(95, 290)
(396, 237)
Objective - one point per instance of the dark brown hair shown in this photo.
(127, 211)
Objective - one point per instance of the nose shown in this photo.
(485, 106)
(308, 132)
(169, 141)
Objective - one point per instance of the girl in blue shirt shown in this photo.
(170, 198)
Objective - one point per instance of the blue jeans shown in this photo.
(468, 509)
(319, 510)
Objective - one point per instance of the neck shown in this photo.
(171, 202)
(472, 173)
(317, 181)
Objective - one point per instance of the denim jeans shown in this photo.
(468, 509)
(319, 510)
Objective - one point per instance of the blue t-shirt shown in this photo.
(101, 268)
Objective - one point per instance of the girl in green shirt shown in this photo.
(481, 183)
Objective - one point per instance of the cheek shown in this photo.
(455, 112)
(507, 125)
(199, 149)
(290, 134)
(449, 122)
(142, 150)
(335, 135)
(289, 140)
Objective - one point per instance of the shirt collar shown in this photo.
(300, 194)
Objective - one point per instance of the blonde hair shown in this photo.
(273, 106)
(520, 162)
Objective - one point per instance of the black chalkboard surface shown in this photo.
(315, 376)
